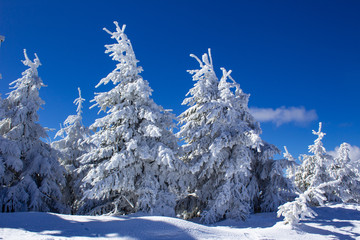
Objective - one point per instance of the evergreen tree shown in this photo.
(347, 187)
(313, 170)
(134, 165)
(299, 209)
(223, 148)
(273, 187)
(71, 147)
(34, 180)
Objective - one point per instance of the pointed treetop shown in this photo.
(287, 155)
(206, 58)
(224, 86)
(27, 62)
(318, 148)
(205, 89)
(344, 152)
(79, 102)
(119, 31)
(226, 75)
(319, 133)
(29, 75)
(122, 52)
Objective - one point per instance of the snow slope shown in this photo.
(333, 222)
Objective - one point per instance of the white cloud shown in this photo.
(354, 152)
(283, 115)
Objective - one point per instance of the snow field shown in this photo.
(338, 221)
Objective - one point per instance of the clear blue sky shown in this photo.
(284, 53)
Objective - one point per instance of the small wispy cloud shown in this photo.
(282, 115)
(354, 153)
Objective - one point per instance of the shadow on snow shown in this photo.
(335, 217)
(48, 224)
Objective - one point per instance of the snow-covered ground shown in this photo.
(333, 222)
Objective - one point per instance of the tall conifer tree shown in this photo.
(134, 165)
(36, 178)
(347, 187)
(313, 171)
(71, 147)
(223, 147)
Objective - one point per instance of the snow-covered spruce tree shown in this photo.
(9, 158)
(273, 188)
(313, 170)
(71, 147)
(223, 148)
(347, 189)
(297, 210)
(268, 188)
(134, 165)
(34, 182)
(10, 162)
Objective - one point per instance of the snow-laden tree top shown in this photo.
(122, 52)
(24, 102)
(79, 101)
(317, 148)
(29, 76)
(125, 75)
(288, 155)
(73, 123)
(205, 88)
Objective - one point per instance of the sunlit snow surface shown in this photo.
(337, 221)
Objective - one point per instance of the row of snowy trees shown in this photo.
(130, 160)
